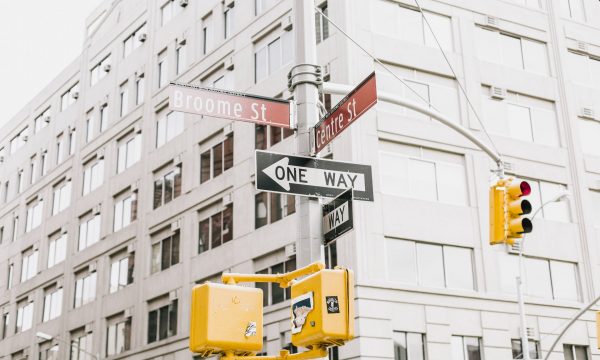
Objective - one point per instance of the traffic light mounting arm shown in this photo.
(315, 353)
(285, 280)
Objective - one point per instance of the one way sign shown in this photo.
(311, 177)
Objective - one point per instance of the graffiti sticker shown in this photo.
(301, 306)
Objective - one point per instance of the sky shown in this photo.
(38, 39)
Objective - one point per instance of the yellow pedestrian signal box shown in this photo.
(323, 308)
(226, 318)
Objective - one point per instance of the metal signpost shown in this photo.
(231, 105)
(350, 108)
(311, 177)
(337, 217)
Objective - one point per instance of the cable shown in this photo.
(456, 77)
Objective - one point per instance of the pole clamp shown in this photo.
(305, 74)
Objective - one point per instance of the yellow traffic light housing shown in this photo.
(226, 318)
(323, 309)
(507, 208)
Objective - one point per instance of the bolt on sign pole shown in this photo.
(304, 78)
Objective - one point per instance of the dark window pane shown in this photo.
(203, 239)
(217, 160)
(127, 335)
(130, 268)
(228, 153)
(166, 254)
(264, 287)
(291, 204)
(173, 318)
(276, 209)
(275, 135)
(163, 322)
(175, 249)
(152, 325)
(169, 182)
(134, 207)
(277, 293)
(580, 352)
(516, 349)
(287, 133)
(158, 188)
(260, 210)
(216, 230)
(472, 345)
(568, 351)
(205, 166)
(261, 137)
(177, 182)
(228, 223)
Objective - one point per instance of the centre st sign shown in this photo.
(309, 176)
(350, 108)
(231, 105)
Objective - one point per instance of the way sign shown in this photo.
(231, 105)
(311, 177)
(337, 217)
(359, 100)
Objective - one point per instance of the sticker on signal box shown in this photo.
(301, 306)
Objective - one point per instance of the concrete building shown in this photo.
(112, 207)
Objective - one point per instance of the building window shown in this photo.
(139, 89)
(521, 117)
(24, 316)
(168, 127)
(595, 200)
(321, 24)
(331, 255)
(35, 211)
(81, 345)
(4, 325)
(6, 188)
(333, 353)
(89, 231)
(589, 132)
(103, 117)
(61, 197)
(129, 151)
(217, 159)
(93, 176)
(44, 162)
(100, 70)
(168, 11)
(33, 169)
(15, 228)
(425, 174)
(180, 58)
(19, 140)
(572, 9)
(272, 293)
(167, 187)
(163, 70)
(512, 51)
(57, 250)
(228, 21)
(409, 346)
(162, 322)
(261, 6)
(72, 140)
(543, 191)
(466, 348)
(29, 264)
(118, 339)
(407, 24)
(69, 97)
(20, 181)
(125, 211)
(534, 349)
(121, 271)
(135, 40)
(584, 69)
(85, 288)
(575, 352)
(48, 351)
(431, 265)
(270, 207)
(207, 34)
(266, 136)
(9, 280)
(52, 303)
(165, 253)
(270, 57)
(42, 120)
(60, 149)
(216, 230)
(124, 99)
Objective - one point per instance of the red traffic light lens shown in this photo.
(525, 188)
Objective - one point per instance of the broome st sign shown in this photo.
(309, 176)
(350, 108)
(231, 105)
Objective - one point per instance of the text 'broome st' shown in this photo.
(350, 108)
(311, 177)
(231, 105)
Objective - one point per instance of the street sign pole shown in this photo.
(306, 95)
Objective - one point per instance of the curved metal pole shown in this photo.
(341, 89)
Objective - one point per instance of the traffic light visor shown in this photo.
(519, 207)
(519, 188)
(520, 226)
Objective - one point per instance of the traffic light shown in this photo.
(517, 225)
(323, 309)
(507, 208)
(226, 318)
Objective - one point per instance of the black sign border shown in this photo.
(335, 233)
